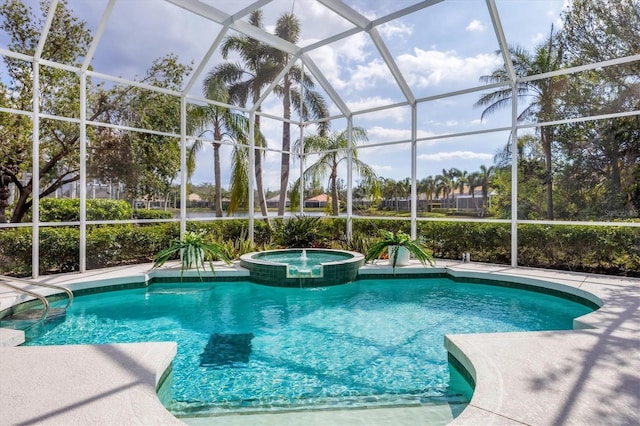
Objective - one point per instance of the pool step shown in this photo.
(27, 318)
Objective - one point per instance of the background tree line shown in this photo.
(582, 169)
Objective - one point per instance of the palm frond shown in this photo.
(399, 239)
(239, 191)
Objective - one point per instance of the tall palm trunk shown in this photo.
(216, 171)
(485, 199)
(286, 146)
(258, 164)
(334, 189)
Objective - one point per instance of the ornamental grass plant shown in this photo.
(194, 252)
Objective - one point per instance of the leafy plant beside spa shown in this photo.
(400, 247)
(195, 253)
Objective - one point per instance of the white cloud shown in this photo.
(384, 134)
(326, 58)
(339, 56)
(316, 20)
(432, 67)
(352, 48)
(399, 115)
(475, 25)
(456, 155)
(380, 169)
(460, 124)
(538, 38)
(365, 76)
(395, 29)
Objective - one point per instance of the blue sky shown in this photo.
(442, 48)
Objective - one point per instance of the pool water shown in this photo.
(243, 346)
(295, 258)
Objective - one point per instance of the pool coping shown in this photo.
(583, 376)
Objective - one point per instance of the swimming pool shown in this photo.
(243, 346)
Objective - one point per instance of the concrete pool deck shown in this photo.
(586, 376)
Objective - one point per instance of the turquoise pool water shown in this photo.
(295, 258)
(243, 346)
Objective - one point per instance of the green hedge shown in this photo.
(610, 250)
(152, 214)
(485, 242)
(68, 210)
(15, 251)
(234, 229)
(107, 245)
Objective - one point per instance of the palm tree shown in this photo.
(473, 181)
(393, 190)
(541, 95)
(462, 176)
(222, 123)
(296, 90)
(485, 181)
(528, 150)
(447, 183)
(375, 191)
(246, 79)
(428, 187)
(402, 190)
(333, 149)
(239, 191)
(443, 186)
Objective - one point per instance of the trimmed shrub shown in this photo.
(15, 251)
(68, 210)
(124, 244)
(59, 249)
(234, 229)
(485, 242)
(595, 249)
(373, 227)
(152, 214)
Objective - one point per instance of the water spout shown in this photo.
(303, 256)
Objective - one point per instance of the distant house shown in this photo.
(318, 201)
(362, 202)
(457, 201)
(274, 201)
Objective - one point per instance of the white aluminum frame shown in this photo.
(234, 22)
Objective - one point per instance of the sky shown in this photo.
(445, 47)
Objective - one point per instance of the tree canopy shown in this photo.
(145, 163)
